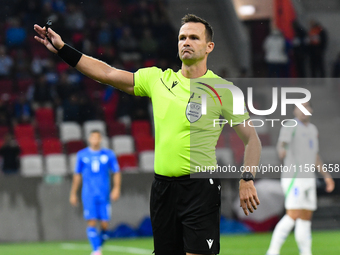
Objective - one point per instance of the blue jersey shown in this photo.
(95, 168)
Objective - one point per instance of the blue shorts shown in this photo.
(97, 209)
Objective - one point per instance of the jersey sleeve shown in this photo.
(144, 80)
(227, 110)
(114, 166)
(78, 168)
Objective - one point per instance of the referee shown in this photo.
(185, 212)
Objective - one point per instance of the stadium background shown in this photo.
(64, 106)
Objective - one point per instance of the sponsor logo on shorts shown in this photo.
(210, 242)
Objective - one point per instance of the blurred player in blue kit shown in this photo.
(93, 168)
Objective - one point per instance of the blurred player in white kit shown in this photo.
(299, 147)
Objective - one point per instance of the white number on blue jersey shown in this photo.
(95, 165)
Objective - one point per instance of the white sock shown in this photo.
(303, 236)
(280, 234)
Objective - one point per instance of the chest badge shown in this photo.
(193, 111)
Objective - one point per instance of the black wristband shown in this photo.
(70, 55)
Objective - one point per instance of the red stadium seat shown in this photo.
(24, 131)
(140, 128)
(3, 131)
(265, 139)
(6, 86)
(44, 116)
(145, 143)
(74, 146)
(24, 84)
(48, 131)
(28, 146)
(115, 128)
(237, 147)
(51, 146)
(127, 161)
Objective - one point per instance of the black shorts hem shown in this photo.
(200, 252)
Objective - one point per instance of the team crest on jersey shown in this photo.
(86, 160)
(104, 159)
(193, 112)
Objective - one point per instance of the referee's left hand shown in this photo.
(248, 197)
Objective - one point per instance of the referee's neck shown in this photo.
(194, 71)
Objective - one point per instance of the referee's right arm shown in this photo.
(91, 67)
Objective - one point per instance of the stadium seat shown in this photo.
(269, 156)
(265, 139)
(122, 144)
(237, 147)
(6, 86)
(31, 166)
(94, 125)
(44, 116)
(28, 146)
(105, 142)
(51, 146)
(56, 164)
(146, 161)
(3, 131)
(224, 156)
(46, 131)
(24, 132)
(127, 162)
(144, 143)
(115, 128)
(72, 159)
(70, 131)
(140, 128)
(74, 146)
(24, 84)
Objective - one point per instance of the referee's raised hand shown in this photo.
(49, 34)
(248, 197)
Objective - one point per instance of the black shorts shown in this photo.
(185, 215)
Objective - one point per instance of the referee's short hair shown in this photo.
(209, 33)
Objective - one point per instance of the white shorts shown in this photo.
(301, 194)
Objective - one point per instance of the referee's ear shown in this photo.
(210, 47)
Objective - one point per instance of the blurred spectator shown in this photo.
(64, 88)
(299, 44)
(71, 108)
(87, 110)
(74, 18)
(104, 34)
(276, 54)
(6, 62)
(10, 152)
(336, 67)
(128, 46)
(140, 108)
(22, 111)
(317, 47)
(41, 94)
(51, 74)
(148, 45)
(5, 113)
(15, 34)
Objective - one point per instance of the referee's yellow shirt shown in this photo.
(184, 138)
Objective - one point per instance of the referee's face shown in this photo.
(192, 43)
(95, 139)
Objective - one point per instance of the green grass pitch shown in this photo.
(324, 242)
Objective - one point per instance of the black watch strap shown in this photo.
(247, 176)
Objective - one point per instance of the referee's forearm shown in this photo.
(252, 154)
(94, 69)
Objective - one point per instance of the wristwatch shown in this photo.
(247, 176)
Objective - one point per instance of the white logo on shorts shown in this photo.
(210, 242)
